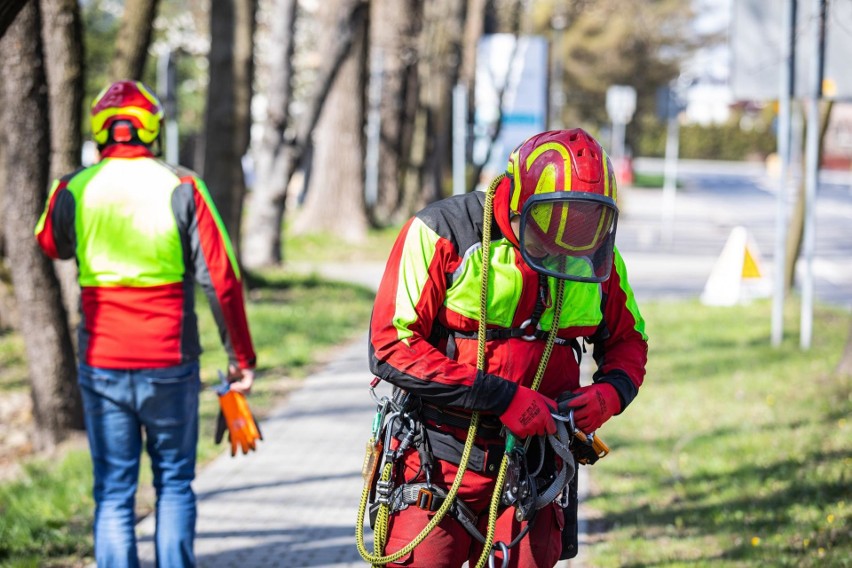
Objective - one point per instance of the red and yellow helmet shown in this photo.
(564, 190)
(131, 101)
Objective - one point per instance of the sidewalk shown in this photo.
(293, 502)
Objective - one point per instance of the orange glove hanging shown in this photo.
(236, 417)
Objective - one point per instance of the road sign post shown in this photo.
(620, 106)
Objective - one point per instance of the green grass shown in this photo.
(329, 247)
(734, 453)
(650, 181)
(13, 370)
(46, 515)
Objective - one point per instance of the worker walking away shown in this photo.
(143, 234)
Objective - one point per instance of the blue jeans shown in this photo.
(119, 404)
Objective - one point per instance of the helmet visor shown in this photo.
(569, 235)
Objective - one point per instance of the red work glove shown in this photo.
(529, 414)
(594, 405)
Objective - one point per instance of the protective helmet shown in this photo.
(129, 101)
(564, 190)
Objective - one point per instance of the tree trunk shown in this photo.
(797, 220)
(8, 309)
(438, 71)
(474, 24)
(8, 11)
(337, 175)
(134, 37)
(62, 35)
(228, 117)
(27, 151)
(271, 177)
(265, 210)
(393, 46)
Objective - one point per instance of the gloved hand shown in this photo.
(593, 405)
(236, 417)
(529, 414)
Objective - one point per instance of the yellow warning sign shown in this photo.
(751, 269)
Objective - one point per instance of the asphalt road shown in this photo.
(672, 255)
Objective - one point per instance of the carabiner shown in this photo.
(567, 419)
(492, 556)
(528, 336)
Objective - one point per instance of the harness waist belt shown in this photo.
(489, 426)
(446, 447)
(510, 332)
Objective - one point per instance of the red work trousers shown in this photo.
(449, 545)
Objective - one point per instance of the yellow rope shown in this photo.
(501, 475)
(378, 558)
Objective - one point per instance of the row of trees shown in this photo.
(311, 65)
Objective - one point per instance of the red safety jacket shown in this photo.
(143, 234)
(425, 318)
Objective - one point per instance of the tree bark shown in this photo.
(8, 309)
(438, 70)
(62, 35)
(337, 175)
(393, 46)
(265, 210)
(228, 120)
(271, 177)
(796, 230)
(27, 151)
(8, 11)
(134, 37)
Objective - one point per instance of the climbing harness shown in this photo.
(399, 426)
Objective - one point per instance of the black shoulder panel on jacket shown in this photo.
(459, 219)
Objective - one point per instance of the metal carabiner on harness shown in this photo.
(591, 447)
(528, 324)
(492, 557)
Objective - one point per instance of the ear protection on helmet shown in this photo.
(128, 101)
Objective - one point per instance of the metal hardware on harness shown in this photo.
(592, 449)
(521, 486)
(383, 491)
(529, 336)
(430, 498)
(492, 558)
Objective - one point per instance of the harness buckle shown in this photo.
(526, 327)
(424, 499)
(383, 491)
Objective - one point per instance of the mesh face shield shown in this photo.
(569, 235)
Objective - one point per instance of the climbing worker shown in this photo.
(143, 234)
(463, 328)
